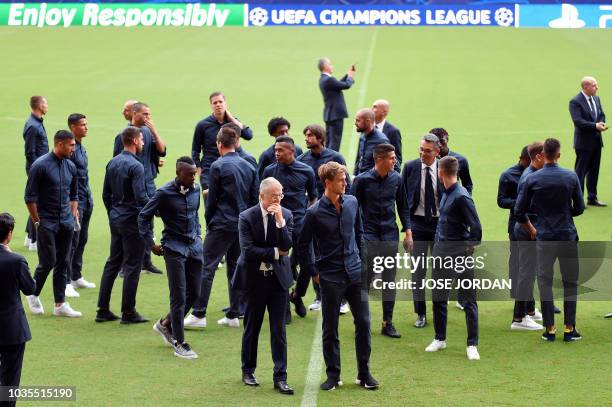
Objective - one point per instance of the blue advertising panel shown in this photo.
(566, 15)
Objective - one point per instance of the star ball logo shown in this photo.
(504, 17)
(258, 16)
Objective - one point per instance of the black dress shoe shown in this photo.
(300, 308)
(105, 315)
(367, 381)
(330, 384)
(249, 379)
(420, 322)
(389, 330)
(557, 310)
(283, 387)
(597, 203)
(133, 318)
(150, 268)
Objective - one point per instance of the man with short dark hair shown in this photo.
(334, 224)
(204, 146)
(298, 181)
(381, 108)
(36, 145)
(277, 127)
(334, 107)
(379, 191)
(51, 196)
(241, 151)
(232, 188)
(555, 195)
(370, 138)
(14, 329)
(424, 191)
(124, 196)
(77, 123)
(589, 122)
(457, 232)
(177, 203)
(464, 167)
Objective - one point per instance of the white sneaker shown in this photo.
(472, 353)
(71, 292)
(458, 305)
(65, 310)
(35, 305)
(82, 283)
(344, 308)
(191, 321)
(537, 316)
(435, 346)
(33, 247)
(526, 324)
(27, 242)
(231, 322)
(315, 306)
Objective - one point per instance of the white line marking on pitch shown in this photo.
(311, 388)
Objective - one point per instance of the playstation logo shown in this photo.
(569, 18)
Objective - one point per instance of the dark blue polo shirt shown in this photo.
(507, 192)
(365, 153)
(268, 157)
(378, 197)
(298, 181)
(178, 209)
(204, 145)
(35, 137)
(317, 160)
(233, 187)
(555, 196)
(464, 171)
(80, 160)
(338, 237)
(458, 217)
(124, 192)
(247, 157)
(52, 185)
(529, 215)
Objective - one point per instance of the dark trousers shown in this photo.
(219, 243)
(266, 292)
(146, 257)
(11, 360)
(127, 248)
(465, 296)
(331, 299)
(527, 267)
(31, 230)
(79, 240)
(184, 280)
(387, 249)
(423, 235)
(587, 166)
(53, 253)
(333, 131)
(299, 259)
(567, 253)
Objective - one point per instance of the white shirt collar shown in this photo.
(433, 166)
(264, 212)
(380, 125)
(585, 95)
(326, 73)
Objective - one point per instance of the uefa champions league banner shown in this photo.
(157, 14)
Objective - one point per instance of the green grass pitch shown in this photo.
(495, 90)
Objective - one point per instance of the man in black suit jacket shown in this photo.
(14, 330)
(419, 177)
(334, 111)
(589, 121)
(264, 274)
(381, 110)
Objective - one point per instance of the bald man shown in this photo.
(127, 110)
(589, 121)
(381, 110)
(334, 110)
(370, 138)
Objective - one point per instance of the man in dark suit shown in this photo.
(381, 110)
(334, 110)
(589, 121)
(14, 329)
(554, 194)
(423, 191)
(264, 274)
(464, 167)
